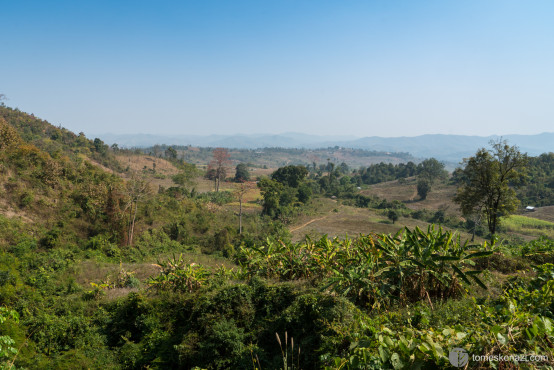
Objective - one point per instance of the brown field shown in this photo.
(339, 220)
(439, 198)
(542, 213)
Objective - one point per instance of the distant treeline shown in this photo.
(279, 157)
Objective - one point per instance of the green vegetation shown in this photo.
(528, 225)
(241, 173)
(487, 183)
(100, 268)
(285, 191)
(539, 190)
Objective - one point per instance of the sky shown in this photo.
(360, 68)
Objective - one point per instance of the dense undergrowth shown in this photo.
(378, 301)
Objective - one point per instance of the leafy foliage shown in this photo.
(487, 183)
(374, 270)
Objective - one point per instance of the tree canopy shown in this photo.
(488, 180)
(290, 175)
(241, 173)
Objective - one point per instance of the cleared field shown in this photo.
(340, 220)
(542, 213)
(439, 198)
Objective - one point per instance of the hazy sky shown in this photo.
(363, 68)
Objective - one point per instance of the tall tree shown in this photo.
(137, 188)
(428, 172)
(219, 163)
(423, 188)
(488, 180)
(240, 192)
(431, 170)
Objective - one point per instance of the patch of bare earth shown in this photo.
(10, 212)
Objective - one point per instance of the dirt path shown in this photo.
(307, 223)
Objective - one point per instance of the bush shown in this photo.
(26, 198)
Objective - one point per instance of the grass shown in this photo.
(89, 271)
(527, 225)
(543, 213)
(439, 198)
(351, 221)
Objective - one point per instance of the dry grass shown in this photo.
(542, 213)
(440, 197)
(352, 221)
(255, 172)
(138, 162)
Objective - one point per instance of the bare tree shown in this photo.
(240, 192)
(137, 188)
(219, 165)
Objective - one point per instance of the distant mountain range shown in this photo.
(451, 148)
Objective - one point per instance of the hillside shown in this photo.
(117, 259)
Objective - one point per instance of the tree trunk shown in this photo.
(132, 228)
(130, 221)
(240, 215)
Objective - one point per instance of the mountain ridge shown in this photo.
(446, 147)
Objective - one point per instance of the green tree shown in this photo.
(99, 146)
(171, 153)
(186, 175)
(242, 173)
(290, 175)
(488, 180)
(428, 172)
(271, 193)
(432, 170)
(393, 215)
(423, 188)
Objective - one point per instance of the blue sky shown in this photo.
(363, 68)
